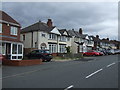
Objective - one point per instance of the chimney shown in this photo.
(108, 39)
(80, 30)
(97, 36)
(49, 23)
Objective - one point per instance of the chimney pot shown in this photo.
(49, 23)
(80, 30)
(97, 36)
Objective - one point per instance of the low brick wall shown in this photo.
(21, 62)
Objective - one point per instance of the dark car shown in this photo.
(45, 55)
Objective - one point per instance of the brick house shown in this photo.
(10, 44)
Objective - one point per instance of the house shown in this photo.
(114, 44)
(90, 42)
(77, 41)
(97, 41)
(105, 44)
(64, 40)
(45, 36)
(10, 44)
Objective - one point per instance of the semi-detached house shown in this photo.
(44, 36)
(10, 44)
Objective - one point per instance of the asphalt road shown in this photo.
(92, 72)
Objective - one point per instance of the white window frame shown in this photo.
(17, 55)
(0, 28)
(13, 30)
(52, 48)
(2, 48)
(52, 36)
(62, 48)
(63, 38)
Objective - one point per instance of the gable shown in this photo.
(65, 33)
(55, 31)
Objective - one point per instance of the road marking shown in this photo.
(19, 74)
(94, 73)
(71, 86)
(110, 64)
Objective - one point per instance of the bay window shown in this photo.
(52, 36)
(62, 48)
(52, 48)
(62, 38)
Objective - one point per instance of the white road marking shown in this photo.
(71, 86)
(19, 74)
(110, 64)
(94, 73)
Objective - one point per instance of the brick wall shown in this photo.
(6, 32)
(21, 62)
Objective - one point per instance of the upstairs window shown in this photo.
(0, 28)
(53, 36)
(43, 35)
(68, 39)
(14, 30)
(23, 37)
(62, 38)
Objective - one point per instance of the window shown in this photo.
(68, 39)
(62, 38)
(0, 28)
(23, 37)
(52, 36)
(14, 30)
(52, 48)
(14, 51)
(43, 35)
(19, 49)
(2, 48)
(62, 48)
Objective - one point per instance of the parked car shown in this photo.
(45, 55)
(100, 52)
(110, 52)
(117, 51)
(92, 53)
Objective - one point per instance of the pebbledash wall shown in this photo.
(10, 44)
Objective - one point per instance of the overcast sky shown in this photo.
(94, 17)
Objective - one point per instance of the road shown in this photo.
(91, 72)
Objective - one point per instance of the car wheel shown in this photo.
(43, 60)
(84, 55)
(49, 60)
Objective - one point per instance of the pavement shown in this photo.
(90, 72)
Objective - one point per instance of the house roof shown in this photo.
(76, 34)
(6, 17)
(62, 31)
(96, 39)
(37, 26)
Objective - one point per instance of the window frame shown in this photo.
(0, 27)
(13, 30)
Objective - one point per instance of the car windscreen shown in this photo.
(46, 51)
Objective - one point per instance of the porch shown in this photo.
(12, 50)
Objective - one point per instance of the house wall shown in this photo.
(27, 41)
(6, 36)
(42, 39)
(73, 46)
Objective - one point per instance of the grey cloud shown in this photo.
(90, 16)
